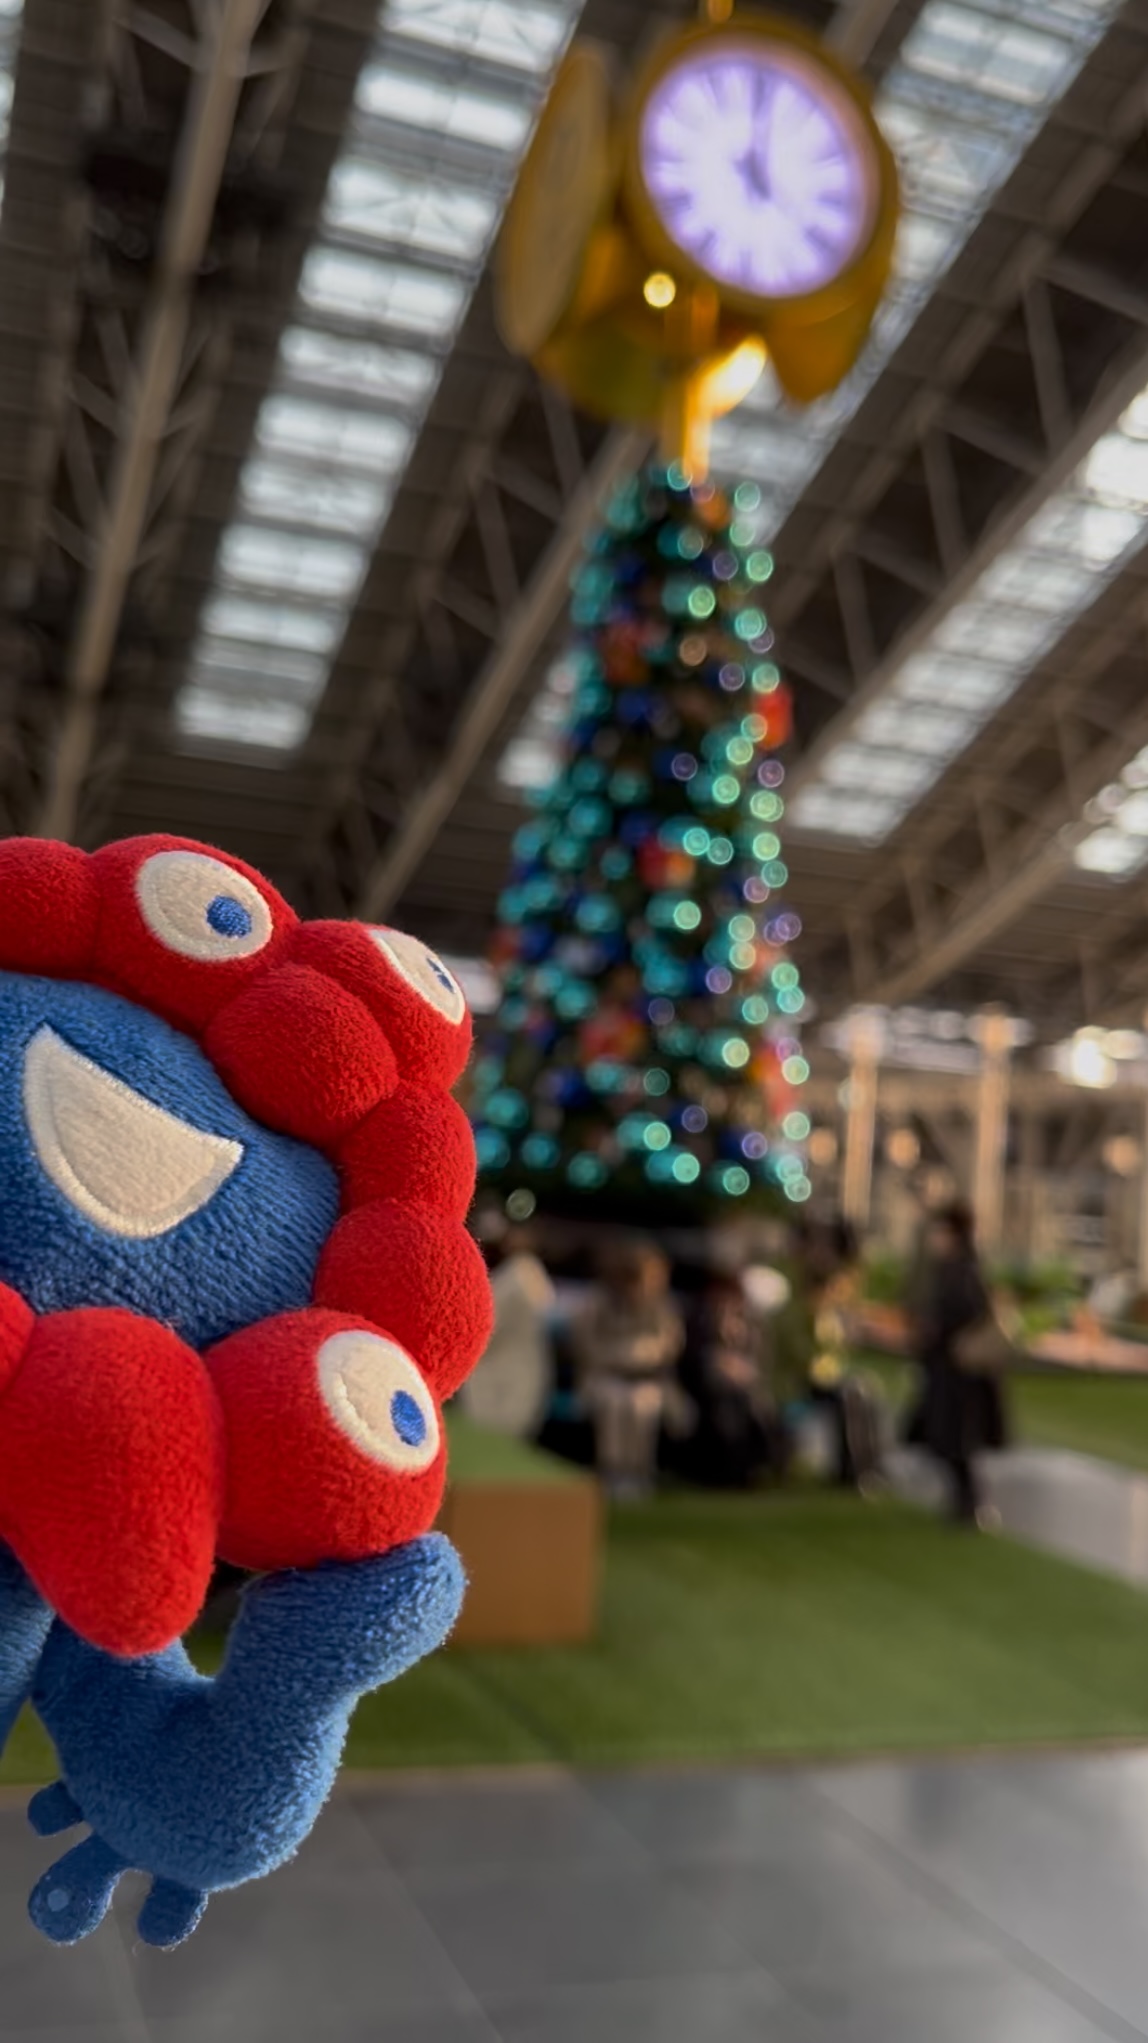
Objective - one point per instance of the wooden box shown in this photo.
(529, 1529)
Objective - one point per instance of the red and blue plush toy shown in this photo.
(235, 1286)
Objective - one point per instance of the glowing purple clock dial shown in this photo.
(757, 168)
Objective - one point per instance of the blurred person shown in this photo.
(810, 1337)
(510, 1389)
(627, 1343)
(736, 1435)
(960, 1411)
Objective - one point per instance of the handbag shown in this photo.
(986, 1348)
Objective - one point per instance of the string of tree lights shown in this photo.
(645, 1043)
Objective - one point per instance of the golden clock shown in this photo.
(741, 200)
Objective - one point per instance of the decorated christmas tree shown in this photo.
(644, 1056)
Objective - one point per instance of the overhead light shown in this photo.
(1085, 1060)
(659, 290)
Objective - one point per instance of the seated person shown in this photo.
(627, 1342)
(737, 1434)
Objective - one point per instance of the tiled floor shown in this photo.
(1003, 1900)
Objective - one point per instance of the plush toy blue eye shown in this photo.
(377, 1397)
(407, 1419)
(228, 917)
(201, 908)
(433, 981)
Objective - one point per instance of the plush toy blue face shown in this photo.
(131, 1177)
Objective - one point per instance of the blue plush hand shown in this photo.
(25, 1621)
(207, 1782)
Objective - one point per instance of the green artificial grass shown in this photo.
(786, 1625)
(481, 1457)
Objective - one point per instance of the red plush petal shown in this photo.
(131, 958)
(16, 1323)
(430, 1048)
(316, 1469)
(301, 1054)
(420, 1275)
(111, 1476)
(49, 908)
(416, 1145)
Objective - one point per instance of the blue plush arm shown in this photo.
(207, 1782)
(25, 1621)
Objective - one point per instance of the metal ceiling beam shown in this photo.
(1023, 850)
(532, 621)
(221, 63)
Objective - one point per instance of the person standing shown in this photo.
(960, 1411)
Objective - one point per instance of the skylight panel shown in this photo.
(272, 624)
(331, 364)
(271, 559)
(275, 726)
(999, 57)
(389, 92)
(376, 202)
(277, 490)
(863, 817)
(220, 661)
(872, 768)
(526, 37)
(360, 288)
(939, 677)
(333, 433)
(11, 14)
(913, 728)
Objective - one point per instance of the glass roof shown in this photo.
(11, 14)
(443, 110)
(971, 87)
(1018, 608)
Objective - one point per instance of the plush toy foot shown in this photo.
(75, 1894)
(206, 1783)
(170, 1913)
(73, 1897)
(54, 1809)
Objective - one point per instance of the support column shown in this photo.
(865, 1043)
(996, 1034)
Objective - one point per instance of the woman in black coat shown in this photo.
(960, 1412)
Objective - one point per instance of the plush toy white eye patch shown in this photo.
(377, 1398)
(424, 971)
(127, 1165)
(201, 908)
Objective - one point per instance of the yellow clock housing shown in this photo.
(620, 272)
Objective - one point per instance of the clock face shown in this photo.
(758, 167)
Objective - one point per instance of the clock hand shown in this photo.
(754, 174)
